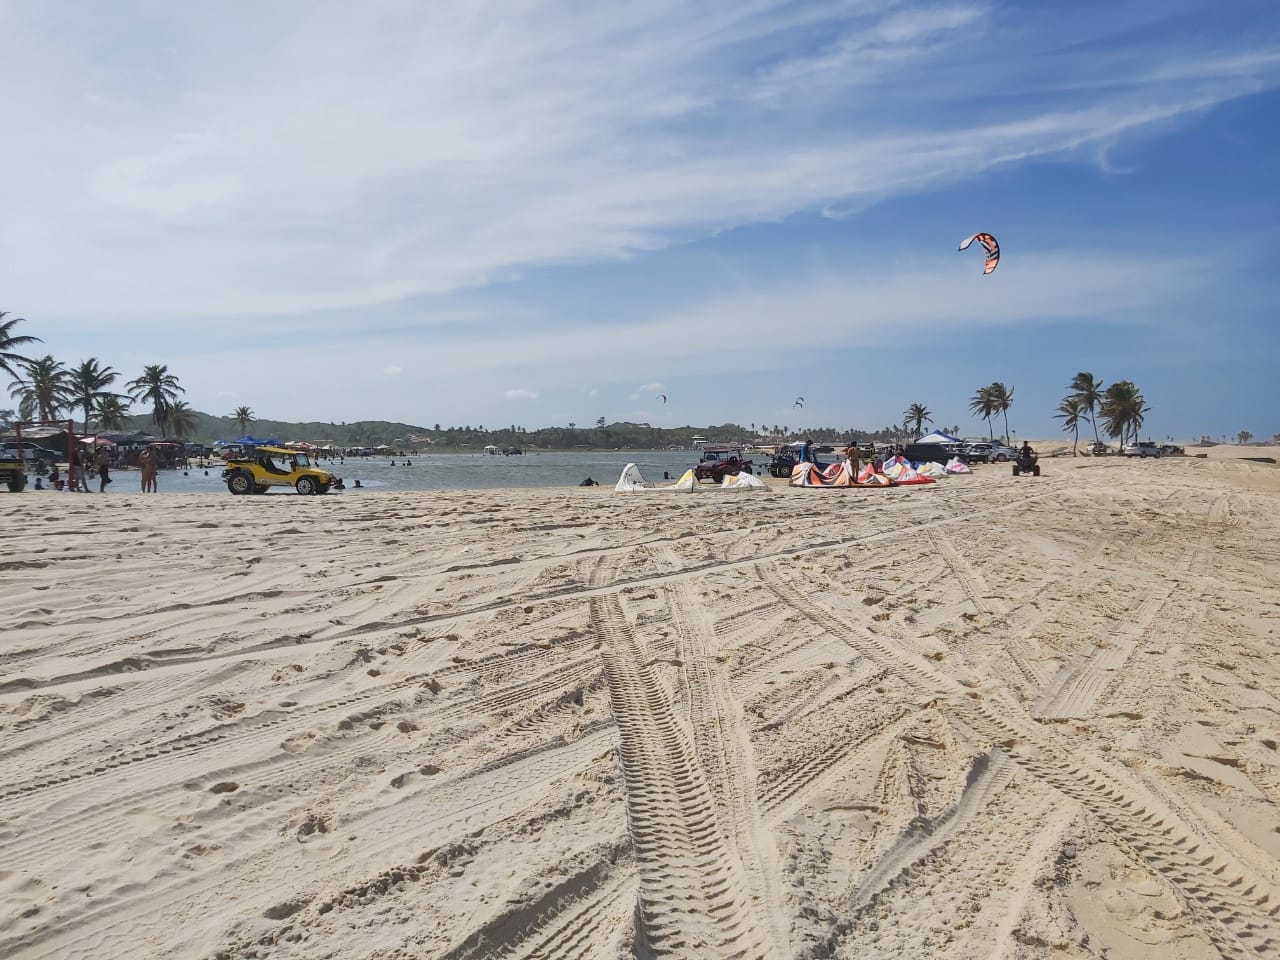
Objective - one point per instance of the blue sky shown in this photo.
(543, 213)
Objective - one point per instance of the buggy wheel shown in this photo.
(1035, 471)
(305, 486)
(16, 482)
(240, 483)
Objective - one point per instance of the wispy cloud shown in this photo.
(352, 160)
(401, 182)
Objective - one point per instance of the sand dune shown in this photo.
(990, 718)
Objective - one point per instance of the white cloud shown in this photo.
(388, 183)
(352, 159)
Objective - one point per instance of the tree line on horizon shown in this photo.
(46, 389)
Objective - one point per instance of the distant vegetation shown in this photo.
(46, 389)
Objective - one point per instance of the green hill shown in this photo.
(407, 436)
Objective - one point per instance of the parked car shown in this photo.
(989, 451)
(1097, 449)
(32, 451)
(1171, 450)
(721, 460)
(784, 461)
(1143, 449)
(934, 452)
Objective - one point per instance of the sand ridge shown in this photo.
(992, 717)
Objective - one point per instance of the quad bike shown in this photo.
(1026, 463)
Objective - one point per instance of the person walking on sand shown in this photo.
(104, 470)
(147, 461)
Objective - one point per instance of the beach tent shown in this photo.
(742, 481)
(938, 437)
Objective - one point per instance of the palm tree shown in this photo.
(244, 417)
(1243, 438)
(1070, 411)
(982, 405)
(159, 387)
(9, 340)
(181, 419)
(88, 385)
(1122, 410)
(1089, 391)
(1001, 401)
(111, 412)
(918, 415)
(45, 392)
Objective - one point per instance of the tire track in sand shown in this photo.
(1237, 910)
(725, 753)
(693, 899)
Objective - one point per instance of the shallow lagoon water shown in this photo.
(447, 471)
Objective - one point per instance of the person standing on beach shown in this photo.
(147, 462)
(851, 453)
(104, 470)
(79, 481)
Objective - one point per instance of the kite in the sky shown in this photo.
(662, 397)
(989, 244)
(799, 403)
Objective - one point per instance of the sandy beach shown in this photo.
(989, 718)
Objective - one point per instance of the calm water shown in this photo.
(449, 472)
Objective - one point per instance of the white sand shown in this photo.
(992, 718)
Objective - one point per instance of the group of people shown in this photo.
(77, 479)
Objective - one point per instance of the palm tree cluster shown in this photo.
(991, 400)
(1121, 407)
(46, 389)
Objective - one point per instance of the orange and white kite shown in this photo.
(989, 244)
